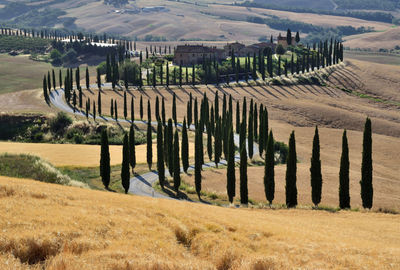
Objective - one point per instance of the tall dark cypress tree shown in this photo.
(132, 150)
(54, 79)
(217, 142)
(98, 79)
(141, 107)
(132, 110)
(315, 170)
(87, 78)
(45, 93)
(291, 173)
(344, 175)
(174, 110)
(185, 147)
(197, 164)
(148, 111)
(99, 103)
(196, 113)
(269, 170)
(237, 117)
(230, 174)
(170, 146)
(250, 135)
(157, 109)
(177, 167)
(367, 191)
(149, 146)
(125, 106)
(116, 110)
(255, 122)
(160, 155)
(125, 174)
(163, 111)
(244, 197)
(209, 142)
(105, 159)
(60, 78)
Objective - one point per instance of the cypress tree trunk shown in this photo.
(243, 173)
(177, 167)
(149, 146)
(231, 167)
(315, 170)
(367, 191)
(125, 175)
(197, 164)
(344, 178)
(160, 155)
(105, 159)
(291, 171)
(185, 147)
(132, 151)
(269, 170)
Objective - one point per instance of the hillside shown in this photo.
(59, 227)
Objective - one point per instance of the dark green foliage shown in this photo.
(160, 155)
(163, 111)
(105, 159)
(116, 110)
(132, 110)
(141, 107)
(197, 165)
(98, 79)
(230, 174)
(99, 103)
(237, 117)
(177, 167)
(244, 197)
(125, 106)
(149, 146)
(148, 111)
(209, 142)
(217, 142)
(125, 174)
(367, 191)
(87, 78)
(54, 79)
(255, 122)
(174, 110)
(45, 92)
(250, 137)
(269, 170)
(344, 177)
(315, 170)
(132, 151)
(157, 109)
(170, 146)
(291, 173)
(185, 147)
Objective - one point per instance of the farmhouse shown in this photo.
(283, 41)
(195, 54)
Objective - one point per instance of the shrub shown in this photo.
(59, 123)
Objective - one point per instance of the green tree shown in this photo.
(170, 146)
(105, 159)
(367, 191)
(60, 78)
(148, 111)
(289, 37)
(177, 167)
(141, 107)
(185, 147)
(125, 174)
(98, 79)
(280, 50)
(45, 93)
(237, 117)
(174, 110)
(54, 79)
(315, 170)
(297, 37)
(291, 173)
(132, 110)
(250, 135)
(125, 106)
(344, 178)
(149, 146)
(87, 78)
(132, 150)
(244, 197)
(197, 164)
(160, 155)
(231, 167)
(99, 103)
(163, 111)
(269, 170)
(217, 142)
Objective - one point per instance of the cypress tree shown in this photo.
(54, 79)
(367, 191)
(45, 93)
(190, 109)
(243, 173)
(132, 150)
(125, 174)
(99, 103)
(177, 167)
(197, 164)
(157, 109)
(196, 113)
(112, 108)
(116, 110)
(132, 110)
(148, 111)
(49, 81)
(141, 107)
(125, 106)
(237, 117)
(74, 100)
(160, 155)
(94, 108)
(170, 146)
(250, 135)
(217, 142)
(231, 167)
(291, 171)
(315, 170)
(60, 78)
(105, 159)
(87, 78)
(77, 78)
(269, 170)
(216, 106)
(174, 110)
(209, 142)
(163, 111)
(344, 178)
(149, 146)
(98, 79)
(185, 147)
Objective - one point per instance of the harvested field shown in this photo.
(57, 227)
(375, 41)
(75, 154)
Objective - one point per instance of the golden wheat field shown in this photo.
(47, 226)
(74, 154)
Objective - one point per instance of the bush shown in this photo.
(59, 123)
(70, 55)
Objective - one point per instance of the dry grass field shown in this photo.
(376, 40)
(55, 227)
(75, 155)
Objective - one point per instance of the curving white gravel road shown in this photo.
(143, 184)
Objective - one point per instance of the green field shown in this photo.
(20, 73)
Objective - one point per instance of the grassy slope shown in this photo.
(75, 228)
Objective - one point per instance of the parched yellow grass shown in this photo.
(46, 226)
(76, 155)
